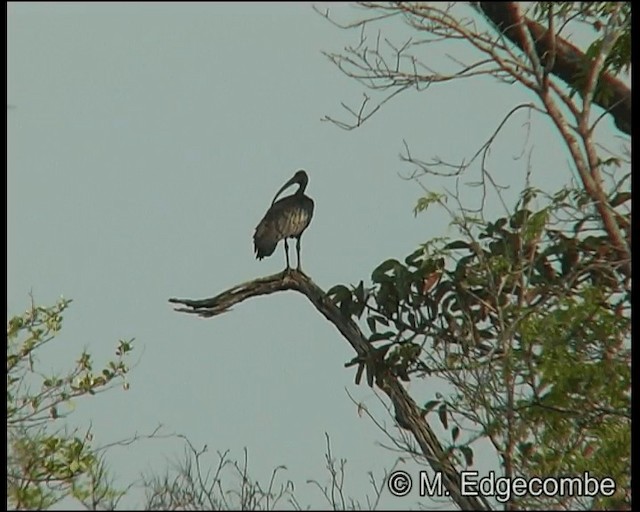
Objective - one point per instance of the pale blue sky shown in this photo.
(147, 142)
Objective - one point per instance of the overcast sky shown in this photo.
(147, 141)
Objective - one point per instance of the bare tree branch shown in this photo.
(407, 413)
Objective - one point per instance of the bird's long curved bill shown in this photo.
(292, 181)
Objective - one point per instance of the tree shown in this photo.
(50, 463)
(189, 486)
(47, 462)
(525, 316)
(544, 52)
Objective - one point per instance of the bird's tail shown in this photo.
(264, 243)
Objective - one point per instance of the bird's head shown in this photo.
(300, 178)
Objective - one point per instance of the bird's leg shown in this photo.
(298, 251)
(286, 251)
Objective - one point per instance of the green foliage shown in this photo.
(529, 318)
(45, 462)
(526, 317)
(428, 200)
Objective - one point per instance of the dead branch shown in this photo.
(408, 414)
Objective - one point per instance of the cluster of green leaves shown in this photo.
(529, 319)
(45, 461)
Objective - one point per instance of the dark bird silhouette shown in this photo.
(287, 218)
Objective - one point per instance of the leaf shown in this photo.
(346, 306)
(371, 322)
(455, 432)
(536, 224)
(74, 466)
(338, 292)
(467, 452)
(499, 224)
(377, 336)
(442, 414)
(430, 281)
(457, 244)
(359, 373)
(426, 408)
(403, 282)
(359, 292)
(357, 308)
(411, 319)
(370, 373)
(387, 298)
(425, 202)
(381, 320)
(414, 256)
(519, 218)
(379, 274)
(441, 290)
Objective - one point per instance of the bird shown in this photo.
(286, 218)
